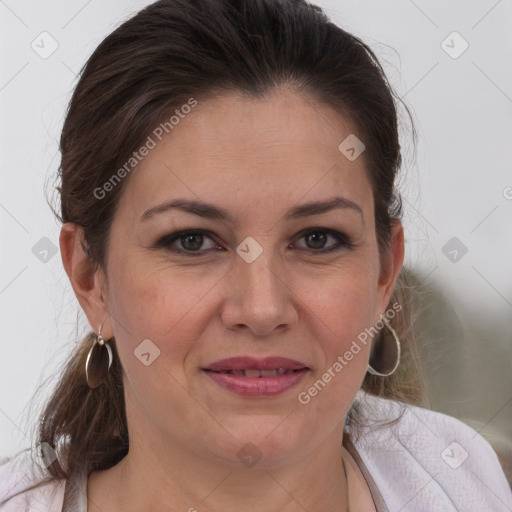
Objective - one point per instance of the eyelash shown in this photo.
(343, 241)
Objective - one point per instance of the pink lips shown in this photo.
(249, 376)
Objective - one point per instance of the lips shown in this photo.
(252, 377)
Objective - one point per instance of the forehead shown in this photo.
(250, 153)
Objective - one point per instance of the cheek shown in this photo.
(346, 302)
(341, 333)
(159, 305)
(346, 318)
(342, 310)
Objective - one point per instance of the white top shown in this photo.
(425, 462)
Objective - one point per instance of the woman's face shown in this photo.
(254, 284)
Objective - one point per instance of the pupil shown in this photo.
(318, 239)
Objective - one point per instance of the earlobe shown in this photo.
(85, 278)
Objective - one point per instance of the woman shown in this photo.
(232, 232)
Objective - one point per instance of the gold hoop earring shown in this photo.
(99, 360)
(385, 355)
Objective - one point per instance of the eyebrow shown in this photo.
(210, 211)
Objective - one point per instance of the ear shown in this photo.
(88, 282)
(391, 266)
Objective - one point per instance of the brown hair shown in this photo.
(154, 62)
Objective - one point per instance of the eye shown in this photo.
(316, 238)
(191, 242)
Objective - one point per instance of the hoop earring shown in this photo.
(98, 361)
(385, 355)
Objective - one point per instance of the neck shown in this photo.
(146, 480)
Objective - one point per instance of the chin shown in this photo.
(264, 441)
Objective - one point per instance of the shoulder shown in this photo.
(422, 460)
(18, 474)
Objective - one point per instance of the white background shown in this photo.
(457, 185)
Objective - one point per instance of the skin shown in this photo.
(257, 158)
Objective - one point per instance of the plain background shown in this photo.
(459, 185)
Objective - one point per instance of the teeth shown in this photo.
(260, 373)
(252, 373)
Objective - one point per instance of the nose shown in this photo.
(259, 297)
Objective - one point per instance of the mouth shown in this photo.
(255, 373)
(248, 376)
